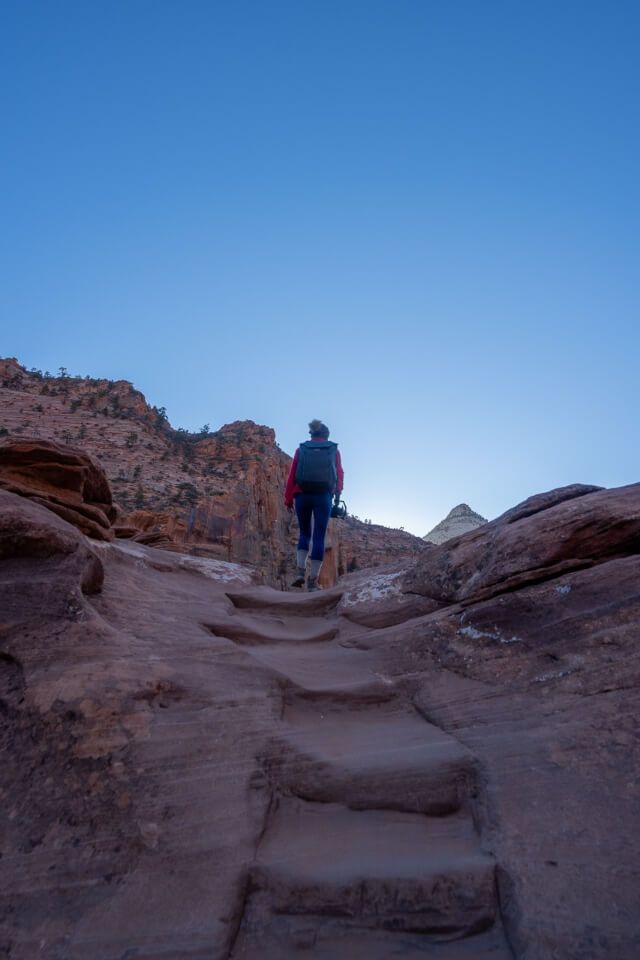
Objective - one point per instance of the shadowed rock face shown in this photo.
(198, 767)
(30, 532)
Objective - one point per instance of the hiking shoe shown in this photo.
(298, 582)
(312, 584)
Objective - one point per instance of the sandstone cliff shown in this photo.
(218, 494)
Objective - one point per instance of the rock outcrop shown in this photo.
(30, 532)
(195, 766)
(462, 519)
(568, 529)
(217, 494)
(64, 479)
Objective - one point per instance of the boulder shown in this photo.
(546, 536)
(64, 479)
(29, 532)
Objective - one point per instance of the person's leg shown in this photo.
(321, 514)
(303, 511)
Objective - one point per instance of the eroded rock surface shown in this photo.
(64, 479)
(28, 531)
(567, 529)
(128, 742)
(195, 766)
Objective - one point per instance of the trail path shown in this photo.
(369, 849)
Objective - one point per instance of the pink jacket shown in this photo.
(292, 487)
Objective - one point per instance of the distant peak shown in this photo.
(464, 510)
(462, 519)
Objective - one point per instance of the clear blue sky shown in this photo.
(417, 220)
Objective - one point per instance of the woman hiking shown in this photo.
(315, 478)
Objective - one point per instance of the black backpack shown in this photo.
(316, 471)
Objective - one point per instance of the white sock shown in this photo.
(302, 560)
(314, 568)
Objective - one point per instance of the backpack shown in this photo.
(316, 471)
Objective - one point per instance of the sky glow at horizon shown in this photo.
(416, 221)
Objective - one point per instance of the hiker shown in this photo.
(316, 477)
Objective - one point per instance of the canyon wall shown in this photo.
(216, 494)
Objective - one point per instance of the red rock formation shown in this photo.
(352, 545)
(63, 479)
(227, 770)
(564, 530)
(28, 531)
(217, 494)
(537, 672)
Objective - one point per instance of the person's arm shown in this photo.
(291, 483)
(340, 472)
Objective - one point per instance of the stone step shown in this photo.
(251, 630)
(324, 673)
(324, 938)
(380, 869)
(268, 600)
(377, 758)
